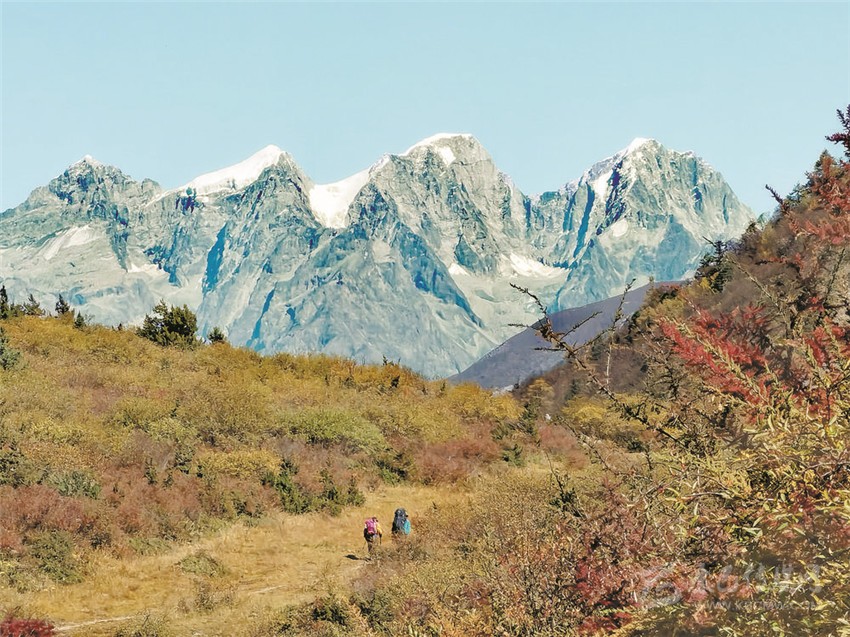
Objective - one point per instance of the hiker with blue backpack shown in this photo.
(401, 523)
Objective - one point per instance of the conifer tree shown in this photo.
(170, 325)
(216, 336)
(62, 307)
(4, 303)
(32, 307)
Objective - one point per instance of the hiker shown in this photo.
(401, 523)
(371, 532)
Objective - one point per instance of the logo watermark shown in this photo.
(740, 587)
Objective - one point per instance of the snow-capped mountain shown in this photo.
(410, 259)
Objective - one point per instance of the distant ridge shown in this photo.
(517, 359)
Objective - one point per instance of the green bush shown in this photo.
(333, 499)
(16, 470)
(292, 498)
(10, 358)
(54, 553)
(395, 467)
(377, 608)
(202, 563)
(74, 483)
(337, 426)
(333, 610)
(295, 499)
(215, 335)
(170, 326)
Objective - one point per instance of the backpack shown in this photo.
(371, 526)
(400, 523)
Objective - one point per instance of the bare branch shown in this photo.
(783, 204)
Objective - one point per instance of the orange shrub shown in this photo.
(454, 460)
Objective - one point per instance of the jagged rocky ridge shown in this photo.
(410, 259)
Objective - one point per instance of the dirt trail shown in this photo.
(282, 560)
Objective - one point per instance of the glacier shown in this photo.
(409, 260)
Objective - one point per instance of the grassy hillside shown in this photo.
(112, 444)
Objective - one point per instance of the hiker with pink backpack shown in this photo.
(371, 532)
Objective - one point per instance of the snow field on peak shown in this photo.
(524, 266)
(455, 269)
(88, 159)
(447, 154)
(76, 236)
(433, 141)
(637, 142)
(236, 176)
(619, 228)
(330, 202)
(600, 184)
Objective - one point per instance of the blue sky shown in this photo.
(170, 91)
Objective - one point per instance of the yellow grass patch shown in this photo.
(282, 560)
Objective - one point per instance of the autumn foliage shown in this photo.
(17, 627)
(714, 496)
(111, 443)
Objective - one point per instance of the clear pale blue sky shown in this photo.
(169, 91)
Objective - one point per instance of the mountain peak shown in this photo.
(89, 160)
(238, 175)
(448, 146)
(435, 140)
(636, 144)
(599, 172)
(444, 144)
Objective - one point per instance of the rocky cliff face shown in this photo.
(410, 259)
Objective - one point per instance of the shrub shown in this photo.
(337, 426)
(333, 499)
(215, 335)
(475, 403)
(15, 469)
(9, 357)
(210, 595)
(54, 553)
(591, 417)
(5, 307)
(395, 466)
(376, 608)
(170, 326)
(292, 498)
(74, 483)
(454, 460)
(62, 307)
(13, 626)
(243, 463)
(333, 610)
(32, 307)
(202, 563)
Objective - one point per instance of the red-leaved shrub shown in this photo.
(17, 627)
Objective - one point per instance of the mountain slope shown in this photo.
(518, 359)
(410, 259)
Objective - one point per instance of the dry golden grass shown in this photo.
(116, 445)
(282, 560)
